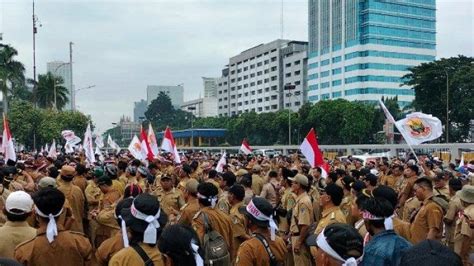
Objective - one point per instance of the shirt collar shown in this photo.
(328, 211)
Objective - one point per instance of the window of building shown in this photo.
(267, 99)
(266, 71)
(274, 107)
(297, 73)
(274, 88)
(274, 68)
(252, 92)
(246, 68)
(267, 89)
(239, 70)
(239, 79)
(288, 75)
(246, 77)
(253, 101)
(259, 73)
(274, 97)
(246, 85)
(297, 62)
(246, 102)
(274, 59)
(297, 103)
(260, 100)
(259, 64)
(252, 66)
(266, 80)
(232, 80)
(297, 82)
(266, 62)
(267, 108)
(260, 91)
(260, 109)
(252, 75)
(288, 65)
(274, 78)
(259, 82)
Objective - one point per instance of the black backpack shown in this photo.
(216, 251)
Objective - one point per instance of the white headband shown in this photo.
(388, 222)
(197, 258)
(149, 235)
(52, 228)
(212, 200)
(124, 231)
(257, 214)
(369, 216)
(324, 245)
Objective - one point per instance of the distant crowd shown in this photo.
(256, 210)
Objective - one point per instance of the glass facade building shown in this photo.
(361, 49)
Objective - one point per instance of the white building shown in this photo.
(63, 70)
(254, 80)
(360, 50)
(203, 107)
(174, 92)
(210, 87)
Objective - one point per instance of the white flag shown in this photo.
(99, 152)
(88, 146)
(387, 113)
(461, 163)
(99, 141)
(152, 141)
(46, 147)
(8, 147)
(222, 162)
(137, 150)
(52, 153)
(68, 148)
(418, 127)
(113, 144)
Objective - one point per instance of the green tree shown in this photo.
(431, 96)
(161, 114)
(50, 89)
(11, 72)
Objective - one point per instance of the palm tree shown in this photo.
(11, 72)
(47, 84)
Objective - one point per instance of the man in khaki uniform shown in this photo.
(257, 180)
(51, 247)
(236, 196)
(74, 196)
(347, 200)
(16, 230)
(79, 178)
(301, 219)
(226, 181)
(219, 221)
(169, 197)
(428, 222)
(440, 186)
(253, 252)
(331, 198)
(454, 207)
(407, 183)
(464, 234)
(191, 207)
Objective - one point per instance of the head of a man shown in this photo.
(332, 195)
(423, 188)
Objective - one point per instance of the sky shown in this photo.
(121, 46)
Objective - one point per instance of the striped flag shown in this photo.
(310, 149)
(245, 147)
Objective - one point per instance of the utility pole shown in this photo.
(281, 21)
(72, 92)
(35, 30)
(447, 105)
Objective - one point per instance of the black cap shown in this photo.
(261, 205)
(430, 252)
(146, 204)
(104, 180)
(371, 178)
(342, 238)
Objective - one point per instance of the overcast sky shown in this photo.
(123, 46)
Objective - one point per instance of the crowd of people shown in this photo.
(255, 211)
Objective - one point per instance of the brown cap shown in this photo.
(241, 172)
(192, 186)
(300, 179)
(67, 170)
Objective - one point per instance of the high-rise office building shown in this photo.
(139, 109)
(254, 80)
(361, 49)
(174, 92)
(210, 87)
(63, 70)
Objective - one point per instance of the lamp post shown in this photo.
(447, 105)
(192, 109)
(289, 88)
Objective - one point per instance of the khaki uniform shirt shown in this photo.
(444, 191)
(238, 226)
(68, 248)
(80, 181)
(390, 180)
(108, 248)
(406, 186)
(288, 200)
(219, 221)
(270, 194)
(129, 257)
(76, 199)
(345, 206)
(223, 203)
(252, 252)
(330, 216)
(187, 212)
(170, 200)
(257, 184)
(463, 230)
(248, 195)
(93, 195)
(12, 234)
(429, 216)
(411, 205)
(314, 196)
(302, 213)
(119, 186)
(454, 208)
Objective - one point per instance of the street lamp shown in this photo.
(447, 105)
(289, 88)
(192, 109)
(54, 84)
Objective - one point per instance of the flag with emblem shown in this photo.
(145, 144)
(113, 144)
(245, 147)
(169, 145)
(137, 150)
(310, 149)
(417, 128)
(222, 162)
(8, 147)
(152, 141)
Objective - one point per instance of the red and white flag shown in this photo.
(145, 144)
(245, 147)
(169, 145)
(222, 162)
(152, 141)
(88, 145)
(7, 143)
(310, 149)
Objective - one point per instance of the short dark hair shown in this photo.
(335, 192)
(238, 191)
(53, 172)
(122, 165)
(208, 190)
(175, 242)
(81, 169)
(212, 174)
(414, 168)
(455, 184)
(379, 207)
(16, 217)
(136, 163)
(388, 193)
(229, 178)
(125, 203)
(424, 182)
(246, 180)
(333, 176)
(272, 174)
(49, 200)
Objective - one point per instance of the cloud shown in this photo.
(123, 46)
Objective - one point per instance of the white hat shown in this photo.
(374, 172)
(19, 200)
